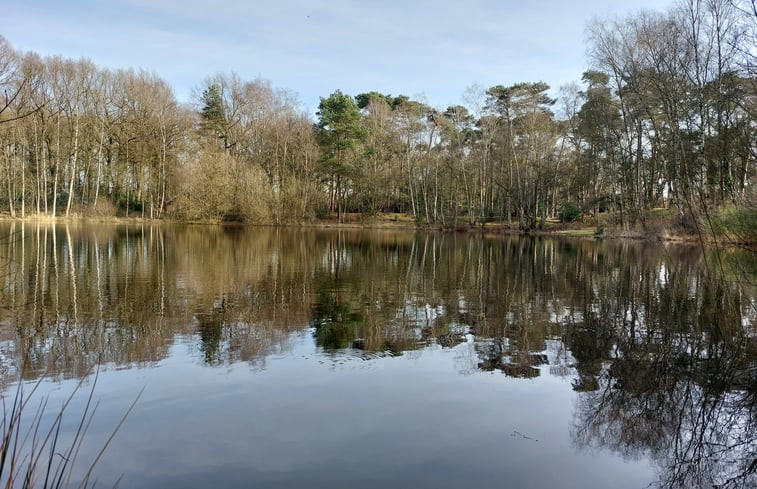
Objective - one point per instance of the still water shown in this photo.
(292, 358)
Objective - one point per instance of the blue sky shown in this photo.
(424, 49)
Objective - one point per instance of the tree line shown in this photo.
(664, 118)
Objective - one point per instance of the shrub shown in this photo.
(569, 212)
(738, 224)
(104, 208)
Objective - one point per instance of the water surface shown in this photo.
(287, 358)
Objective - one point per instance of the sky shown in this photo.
(429, 50)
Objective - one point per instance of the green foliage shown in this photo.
(519, 99)
(213, 113)
(339, 124)
(737, 224)
(363, 100)
(339, 131)
(569, 212)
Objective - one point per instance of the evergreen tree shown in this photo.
(339, 130)
(213, 113)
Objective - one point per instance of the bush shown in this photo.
(104, 208)
(569, 212)
(738, 224)
(251, 195)
(206, 183)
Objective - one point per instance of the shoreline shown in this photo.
(559, 230)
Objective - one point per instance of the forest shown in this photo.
(660, 131)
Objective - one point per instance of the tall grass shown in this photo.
(33, 453)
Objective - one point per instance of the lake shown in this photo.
(370, 359)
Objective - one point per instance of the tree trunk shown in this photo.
(57, 167)
(8, 180)
(73, 164)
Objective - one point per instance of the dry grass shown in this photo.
(32, 454)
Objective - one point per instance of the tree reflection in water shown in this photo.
(662, 358)
(678, 386)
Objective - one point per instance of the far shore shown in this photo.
(399, 222)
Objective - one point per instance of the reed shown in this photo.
(33, 453)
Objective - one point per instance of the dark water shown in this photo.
(284, 358)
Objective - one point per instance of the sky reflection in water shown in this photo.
(274, 358)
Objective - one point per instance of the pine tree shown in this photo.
(213, 113)
(339, 129)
